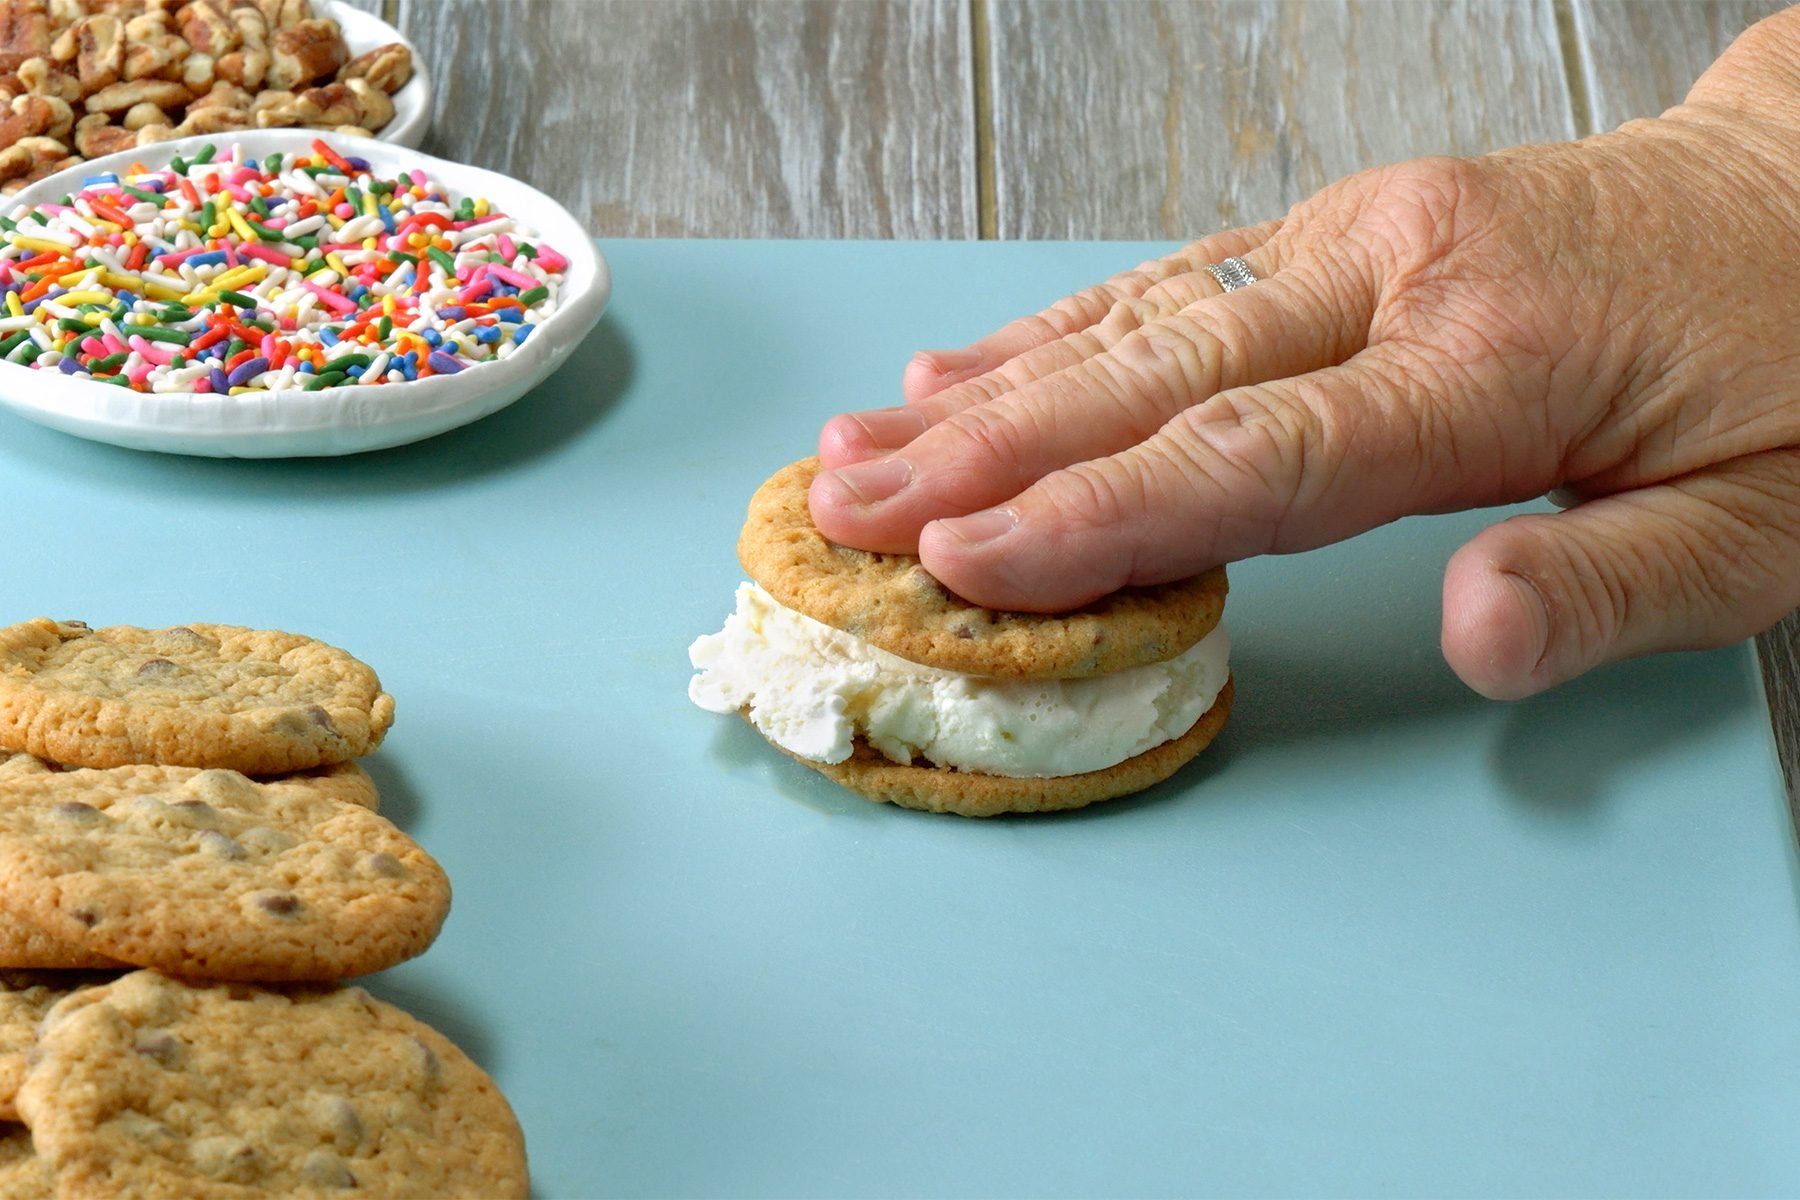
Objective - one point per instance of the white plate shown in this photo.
(337, 420)
(364, 31)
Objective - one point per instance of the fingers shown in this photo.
(1277, 467)
(1700, 562)
(856, 436)
(932, 370)
(1100, 406)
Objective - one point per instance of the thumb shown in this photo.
(1700, 562)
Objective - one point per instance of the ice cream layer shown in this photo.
(812, 690)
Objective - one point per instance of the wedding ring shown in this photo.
(1232, 273)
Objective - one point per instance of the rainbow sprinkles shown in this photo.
(221, 273)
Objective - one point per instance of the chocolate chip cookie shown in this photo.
(257, 701)
(214, 875)
(158, 1090)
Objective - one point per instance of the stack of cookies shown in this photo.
(190, 861)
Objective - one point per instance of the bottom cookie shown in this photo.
(964, 793)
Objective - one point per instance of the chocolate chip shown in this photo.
(964, 632)
(337, 1117)
(194, 814)
(281, 904)
(322, 1168)
(223, 785)
(82, 626)
(160, 1047)
(428, 1059)
(320, 717)
(141, 1128)
(75, 810)
(154, 668)
(86, 916)
(217, 844)
(180, 637)
(226, 1157)
(261, 837)
(385, 864)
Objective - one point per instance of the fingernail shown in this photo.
(1537, 612)
(946, 361)
(1564, 497)
(982, 526)
(890, 428)
(873, 482)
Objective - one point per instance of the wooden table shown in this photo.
(1033, 118)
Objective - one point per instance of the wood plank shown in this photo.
(717, 119)
(1176, 119)
(1778, 651)
(1638, 59)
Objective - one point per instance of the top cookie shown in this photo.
(256, 701)
(890, 601)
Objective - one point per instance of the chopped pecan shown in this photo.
(43, 79)
(30, 116)
(387, 67)
(148, 25)
(24, 32)
(304, 53)
(42, 171)
(61, 118)
(223, 95)
(118, 97)
(104, 139)
(64, 13)
(352, 131)
(10, 88)
(208, 28)
(151, 134)
(333, 104)
(99, 51)
(372, 104)
(282, 13)
(251, 25)
(214, 119)
(28, 154)
(157, 57)
(246, 68)
(197, 72)
(265, 99)
(140, 115)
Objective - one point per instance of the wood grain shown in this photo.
(717, 119)
(1639, 58)
(1175, 119)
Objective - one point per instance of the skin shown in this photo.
(1617, 319)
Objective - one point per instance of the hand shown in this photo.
(1617, 317)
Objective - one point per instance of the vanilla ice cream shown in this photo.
(812, 690)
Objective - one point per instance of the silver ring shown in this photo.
(1232, 274)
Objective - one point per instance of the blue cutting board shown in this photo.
(1385, 938)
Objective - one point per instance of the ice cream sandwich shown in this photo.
(865, 668)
